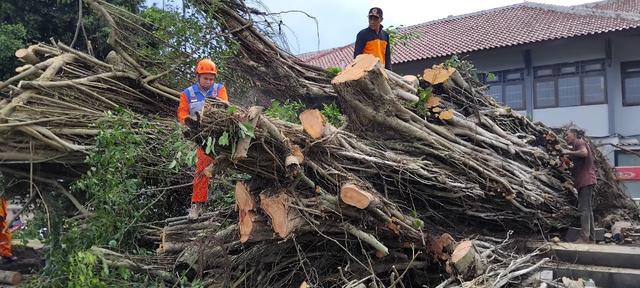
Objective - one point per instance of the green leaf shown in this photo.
(248, 129)
(209, 146)
(232, 109)
(105, 269)
(224, 139)
(173, 164)
(418, 223)
(192, 158)
(491, 76)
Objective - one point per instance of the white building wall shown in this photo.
(593, 118)
(626, 118)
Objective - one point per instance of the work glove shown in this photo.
(193, 123)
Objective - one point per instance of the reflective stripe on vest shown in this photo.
(196, 98)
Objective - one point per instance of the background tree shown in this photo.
(12, 37)
(27, 22)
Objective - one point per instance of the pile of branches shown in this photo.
(51, 110)
(381, 195)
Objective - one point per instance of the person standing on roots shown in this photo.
(5, 233)
(192, 102)
(374, 40)
(584, 180)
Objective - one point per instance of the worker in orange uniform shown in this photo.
(5, 234)
(192, 101)
(374, 40)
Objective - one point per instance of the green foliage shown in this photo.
(290, 110)
(491, 76)
(402, 38)
(227, 200)
(454, 62)
(223, 189)
(125, 164)
(333, 113)
(421, 105)
(287, 111)
(31, 231)
(57, 19)
(332, 71)
(12, 38)
(179, 42)
(466, 68)
(247, 130)
(418, 224)
(210, 149)
(224, 139)
(82, 271)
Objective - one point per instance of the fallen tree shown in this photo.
(392, 179)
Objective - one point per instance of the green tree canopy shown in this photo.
(26, 22)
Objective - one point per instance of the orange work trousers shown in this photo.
(5, 235)
(201, 181)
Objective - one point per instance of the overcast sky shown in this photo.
(340, 20)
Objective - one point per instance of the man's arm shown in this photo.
(359, 46)
(580, 151)
(222, 95)
(387, 55)
(183, 108)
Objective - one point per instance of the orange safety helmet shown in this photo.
(206, 66)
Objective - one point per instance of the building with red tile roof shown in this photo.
(513, 25)
(556, 64)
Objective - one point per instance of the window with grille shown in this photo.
(507, 87)
(570, 84)
(630, 83)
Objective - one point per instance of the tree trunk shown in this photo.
(466, 261)
(356, 197)
(313, 122)
(27, 55)
(284, 218)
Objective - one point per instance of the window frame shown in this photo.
(580, 72)
(545, 78)
(501, 79)
(585, 74)
(624, 75)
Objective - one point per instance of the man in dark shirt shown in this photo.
(374, 40)
(584, 175)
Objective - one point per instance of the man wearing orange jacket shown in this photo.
(5, 234)
(374, 40)
(191, 102)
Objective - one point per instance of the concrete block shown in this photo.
(592, 254)
(605, 277)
